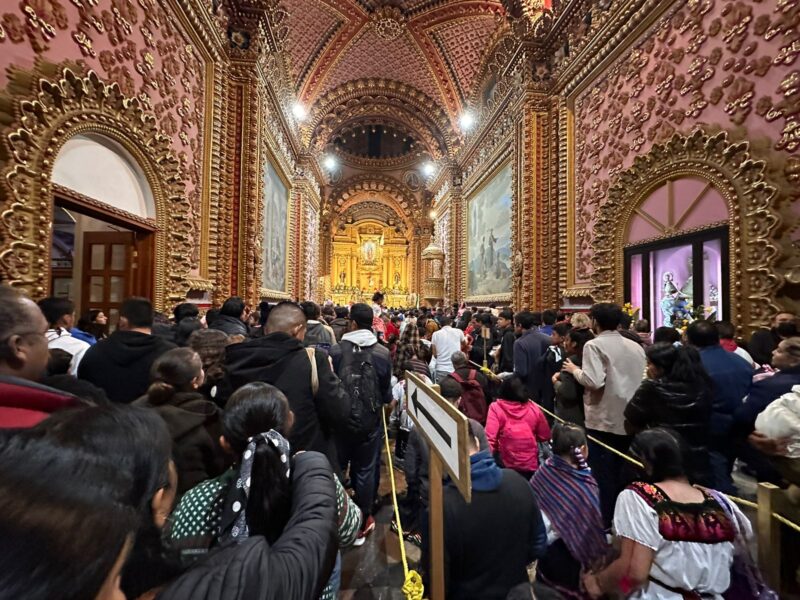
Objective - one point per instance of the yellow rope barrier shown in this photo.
(630, 459)
(412, 585)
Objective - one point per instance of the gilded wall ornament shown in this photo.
(57, 106)
(752, 218)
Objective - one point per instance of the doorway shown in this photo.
(99, 258)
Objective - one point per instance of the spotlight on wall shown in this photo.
(428, 169)
(432, 214)
(330, 162)
(467, 120)
(299, 111)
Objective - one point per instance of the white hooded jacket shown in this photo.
(781, 419)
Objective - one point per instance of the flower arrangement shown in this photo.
(631, 310)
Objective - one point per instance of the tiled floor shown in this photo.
(374, 571)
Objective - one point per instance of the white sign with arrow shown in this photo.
(445, 428)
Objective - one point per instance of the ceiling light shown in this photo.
(432, 214)
(428, 169)
(329, 162)
(466, 121)
(299, 111)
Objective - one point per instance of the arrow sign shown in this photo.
(444, 427)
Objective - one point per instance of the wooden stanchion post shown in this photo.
(769, 535)
(436, 528)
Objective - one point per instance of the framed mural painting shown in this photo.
(276, 233)
(489, 239)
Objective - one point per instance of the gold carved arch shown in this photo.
(752, 219)
(46, 108)
(404, 102)
(392, 192)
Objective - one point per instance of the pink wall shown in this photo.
(724, 63)
(136, 43)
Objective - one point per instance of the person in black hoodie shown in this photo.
(231, 317)
(193, 421)
(318, 399)
(480, 564)
(121, 363)
(675, 395)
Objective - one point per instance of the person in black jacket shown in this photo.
(676, 395)
(120, 364)
(231, 318)
(569, 393)
(505, 326)
(193, 421)
(320, 407)
(363, 453)
(480, 563)
(763, 342)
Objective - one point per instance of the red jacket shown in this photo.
(513, 429)
(25, 403)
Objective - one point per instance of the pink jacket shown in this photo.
(513, 429)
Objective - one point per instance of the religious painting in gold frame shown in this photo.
(275, 272)
(489, 238)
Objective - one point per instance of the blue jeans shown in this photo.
(364, 459)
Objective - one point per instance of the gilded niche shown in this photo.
(49, 108)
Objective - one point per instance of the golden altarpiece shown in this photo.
(367, 257)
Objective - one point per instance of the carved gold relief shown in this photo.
(752, 218)
(48, 108)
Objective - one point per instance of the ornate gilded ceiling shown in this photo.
(434, 47)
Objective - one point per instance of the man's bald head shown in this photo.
(23, 345)
(287, 317)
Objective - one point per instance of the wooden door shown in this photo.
(108, 274)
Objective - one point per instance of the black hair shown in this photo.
(449, 388)
(567, 437)
(137, 311)
(88, 323)
(607, 314)
(253, 409)
(172, 372)
(579, 337)
(524, 319)
(185, 328)
(514, 389)
(507, 314)
(702, 334)
(549, 317)
(642, 326)
(58, 361)
(137, 442)
(328, 311)
(537, 319)
(562, 329)
(61, 527)
(725, 329)
(664, 453)
(625, 321)
(377, 297)
(78, 387)
(485, 319)
(445, 321)
(185, 310)
(341, 312)
(362, 315)
(679, 363)
(54, 308)
(666, 334)
(311, 310)
(263, 310)
(232, 307)
(212, 314)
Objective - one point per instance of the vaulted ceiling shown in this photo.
(433, 46)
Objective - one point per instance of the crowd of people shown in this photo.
(235, 454)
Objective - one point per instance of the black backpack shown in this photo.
(361, 380)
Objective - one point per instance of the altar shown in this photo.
(367, 257)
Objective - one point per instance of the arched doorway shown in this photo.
(104, 225)
(88, 129)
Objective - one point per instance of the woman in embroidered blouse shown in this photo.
(676, 539)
